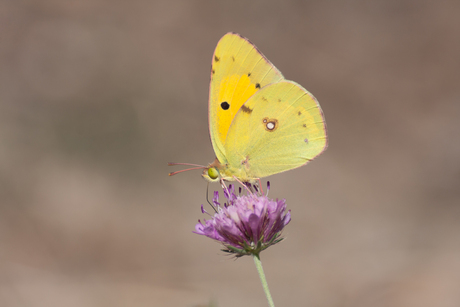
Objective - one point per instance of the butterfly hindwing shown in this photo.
(238, 71)
(279, 128)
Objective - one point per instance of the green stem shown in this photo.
(260, 270)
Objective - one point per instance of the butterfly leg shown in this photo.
(224, 186)
(260, 187)
(243, 184)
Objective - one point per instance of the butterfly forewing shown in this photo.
(238, 71)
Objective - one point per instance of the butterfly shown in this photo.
(260, 124)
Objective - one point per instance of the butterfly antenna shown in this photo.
(184, 170)
(189, 164)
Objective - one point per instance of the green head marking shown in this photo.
(213, 173)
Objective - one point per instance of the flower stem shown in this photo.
(260, 270)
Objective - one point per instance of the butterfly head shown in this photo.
(212, 173)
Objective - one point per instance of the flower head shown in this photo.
(247, 224)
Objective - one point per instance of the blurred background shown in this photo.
(97, 96)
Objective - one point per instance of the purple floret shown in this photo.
(248, 224)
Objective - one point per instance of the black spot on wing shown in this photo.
(233, 58)
(257, 85)
(246, 109)
(249, 74)
(299, 113)
(224, 105)
(216, 58)
(304, 125)
(213, 71)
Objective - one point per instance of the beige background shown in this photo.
(96, 97)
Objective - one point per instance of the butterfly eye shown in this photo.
(213, 173)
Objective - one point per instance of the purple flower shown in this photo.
(247, 224)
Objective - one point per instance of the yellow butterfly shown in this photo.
(260, 123)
